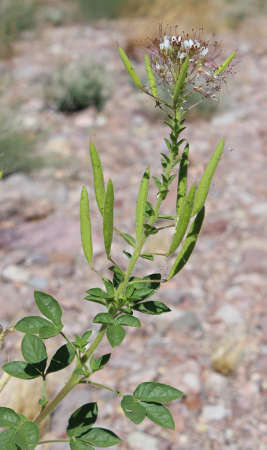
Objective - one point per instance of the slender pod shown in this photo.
(130, 69)
(180, 81)
(226, 63)
(182, 179)
(108, 217)
(85, 226)
(99, 184)
(184, 219)
(204, 184)
(189, 244)
(141, 204)
(150, 77)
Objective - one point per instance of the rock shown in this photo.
(188, 321)
(192, 381)
(215, 412)
(139, 440)
(38, 283)
(215, 382)
(15, 273)
(229, 314)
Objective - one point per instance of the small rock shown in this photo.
(15, 273)
(229, 314)
(140, 440)
(188, 321)
(38, 283)
(192, 381)
(215, 382)
(215, 412)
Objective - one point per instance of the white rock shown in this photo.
(15, 273)
(139, 440)
(215, 412)
(192, 381)
(229, 314)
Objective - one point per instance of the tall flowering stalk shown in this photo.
(182, 64)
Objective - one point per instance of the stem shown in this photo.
(73, 380)
(103, 386)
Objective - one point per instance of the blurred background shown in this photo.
(61, 84)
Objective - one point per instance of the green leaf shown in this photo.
(99, 184)
(180, 82)
(147, 256)
(85, 226)
(32, 324)
(128, 321)
(141, 205)
(182, 179)
(99, 363)
(82, 419)
(204, 184)
(133, 409)
(77, 444)
(49, 307)
(103, 318)
(150, 77)
(156, 392)
(28, 435)
(159, 414)
(188, 245)
(33, 349)
(118, 276)
(153, 307)
(49, 331)
(8, 417)
(130, 69)
(128, 238)
(62, 358)
(23, 370)
(115, 334)
(7, 439)
(226, 63)
(184, 219)
(97, 292)
(100, 437)
(108, 217)
(109, 287)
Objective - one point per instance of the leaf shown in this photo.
(180, 82)
(118, 276)
(130, 69)
(82, 419)
(32, 324)
(62, 358)
(141, 205)
(133, 409)
(28, 435)
(188, 245)
(99, 184)
(103, 318)
(49, 331)
(226, 63)
(153, 307)
(77, 444)
(115, 334)
(184, 219)
(97, 292)
(156, 392)
(204, 184)
(147, 256)
(150, 77)
(33, 349)
(23, 370)
(49, 307)
(85, 226)
(182, 179)
(159, 414)
(7, 439)
(8, 417)
(99, 363)
(108, 217)
(109, 287)
(100, 437)
(129, 321)
(128, 238)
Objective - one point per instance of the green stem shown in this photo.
(102, 386)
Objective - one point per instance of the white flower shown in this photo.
(182, 55)
(174, 39)
(165, 45)
(197, 43)
(186, 44)
(157, 66)
(179, 38)
(204, 51)
(191, 43)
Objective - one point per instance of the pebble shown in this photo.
(215, 412)
(15, 273)
(139, 440)
(192, 381)
(38, 283)
(229, 314)
(188, 321)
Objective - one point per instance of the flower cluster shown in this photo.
(168, 53)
